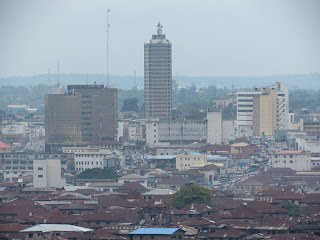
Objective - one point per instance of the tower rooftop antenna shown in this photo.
(58, 74)
(135, 80)
(108, 32)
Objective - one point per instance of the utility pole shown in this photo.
(108, 32)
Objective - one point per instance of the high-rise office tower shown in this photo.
(158, 77)
(86, 113)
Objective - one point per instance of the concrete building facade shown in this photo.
(187, 160)
(158, 77)
(263, 110)
(296, 160)
(47, 173)
(86, 113)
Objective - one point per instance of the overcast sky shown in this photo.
(209, 37)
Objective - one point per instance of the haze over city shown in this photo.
(206, 127)
(210, 38)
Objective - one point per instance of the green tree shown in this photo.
(191, 193)
(295, 210)
(98, 173)
(130, 104)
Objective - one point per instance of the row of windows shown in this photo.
(88, 162)
(284, 161)
(276, 156)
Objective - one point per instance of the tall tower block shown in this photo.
(158, 77)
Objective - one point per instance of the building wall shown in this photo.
(297, 162)
(163, 133)
(47, 173)
(265, 113)
(253, 108)
(87, 113)
(228, 130)
(186, 161)
(214, 126)
(158, 77)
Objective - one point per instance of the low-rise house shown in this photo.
(168, 161)
(227, 234)
(193, 210)
(132, 187)
(187, 160)
(157, 233)
(134, 178)
(243, 214)
(174, 183)
(51, 230)
(157, 193)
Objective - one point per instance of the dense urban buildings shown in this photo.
(158, 77)
(84, 114)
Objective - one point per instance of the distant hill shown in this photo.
(308, 81)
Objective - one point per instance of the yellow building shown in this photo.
(265, 113)
(185, 161)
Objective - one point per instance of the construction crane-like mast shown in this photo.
(108, 32)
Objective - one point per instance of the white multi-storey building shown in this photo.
(296, 160)
(100, 158)
(47, 173)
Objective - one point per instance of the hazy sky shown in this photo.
(209, 37)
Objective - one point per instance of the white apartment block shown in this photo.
(296, 160)
(165, 133)
(47, 173)
(100, 158)
(187, 160)
(13, 129)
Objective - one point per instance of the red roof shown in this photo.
(227, 233)
(4, 145)
(289, 152)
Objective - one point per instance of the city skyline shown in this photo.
(246, 38)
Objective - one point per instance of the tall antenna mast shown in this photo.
(135, 80)
(49, 77)
(108, 32)
(58, 74)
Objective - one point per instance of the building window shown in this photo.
(40, 176)
(285, 161)
(291, 161)
(275, 156)
(291, 156)
(40, 168)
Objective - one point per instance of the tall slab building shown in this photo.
(158, 77)
(263, 110)
(86, 113)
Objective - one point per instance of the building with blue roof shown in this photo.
(157, 233)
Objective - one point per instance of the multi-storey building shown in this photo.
(158, 77)
(296, 160)
(187, 160)
(18, 165)
(86, 113)
(47, 173)
(263, 110)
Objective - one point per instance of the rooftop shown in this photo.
(155, 231)
(56, 228)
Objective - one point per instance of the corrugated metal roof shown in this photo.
(155, 231)
(56, 228)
